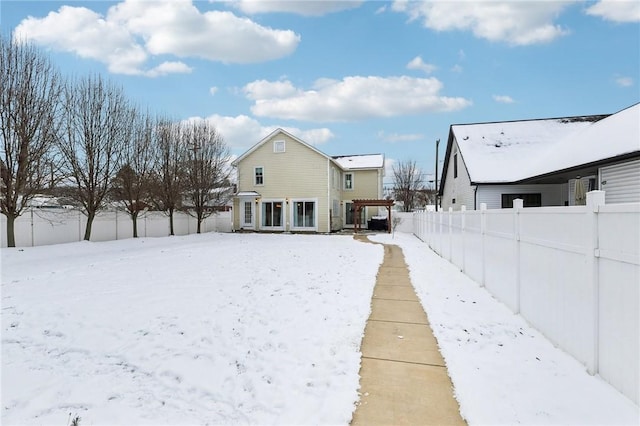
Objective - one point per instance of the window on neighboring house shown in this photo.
(278, 146)
(529, 200)
(455, 165)
(259, 176)
(272, 214)
(348, 181)
(304, 215)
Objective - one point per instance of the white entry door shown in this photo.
(247, 214)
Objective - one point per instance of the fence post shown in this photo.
(483, 230)
(32, 226)
(518, 205)
(463, 212)
(595, 199)
(450, 216)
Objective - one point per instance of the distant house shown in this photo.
(287, 185)
(541, 160)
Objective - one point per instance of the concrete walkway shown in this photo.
(403, 379)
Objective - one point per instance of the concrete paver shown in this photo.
(395, 292)
(403, 377)
(397, 310)
(401, 342)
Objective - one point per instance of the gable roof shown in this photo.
(271, 135)
(512, 151)
(354, 162)
(368, 161)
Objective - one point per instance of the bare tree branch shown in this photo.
(29, 105)
(407, 183)
(205, 168)
(98, 122)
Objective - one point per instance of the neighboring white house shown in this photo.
(541, 160)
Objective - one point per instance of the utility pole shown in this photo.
(436, 188)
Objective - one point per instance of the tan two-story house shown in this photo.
(287, 185)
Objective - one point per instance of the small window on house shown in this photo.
(593, 184)
(259, 176)
(278, 146)
(455, 165)
(453, 201)
(348, 181)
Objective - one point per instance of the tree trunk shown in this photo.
(171, 232)
(134, 218)
(87, 229)
(199, 222)
(11, 235)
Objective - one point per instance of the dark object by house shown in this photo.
(377, 224)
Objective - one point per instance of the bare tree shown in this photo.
(131, 185)
(407, 183)
(206, 168)
(29, 103)
(97, 125)
(167, 176)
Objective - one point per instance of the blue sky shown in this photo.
(354, 77)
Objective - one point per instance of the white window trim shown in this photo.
(292, 214)
(284, 214)
(277, 143)
(353, 181)
(254, 176)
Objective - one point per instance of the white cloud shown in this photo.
(350, 99)
(418, 64)
(170, 67)
(457, 69)
(242, 132)
(503, 99)
(513, 22)
(397, 137)
(304, 8)
(213, 90)
(132, 32)
(616, 10)
(624, 81)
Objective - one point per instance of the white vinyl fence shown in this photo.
(43, 226)
(571, 272)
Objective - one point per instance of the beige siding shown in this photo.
(460, 188)
(299, 172)
(367, 185)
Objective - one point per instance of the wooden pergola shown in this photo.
(359, 204)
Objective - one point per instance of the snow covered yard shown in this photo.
(504, 372)
(205, 329)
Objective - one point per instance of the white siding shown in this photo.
(552, 195)
(621, 182)
(457, 188)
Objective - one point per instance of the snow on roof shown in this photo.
(515, 150)
(615, 135)
(368, 161)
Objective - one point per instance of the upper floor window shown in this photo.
(348, 181)
(278, 146)
(258, 176)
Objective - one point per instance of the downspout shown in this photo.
(475, 197)
(328, 195)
